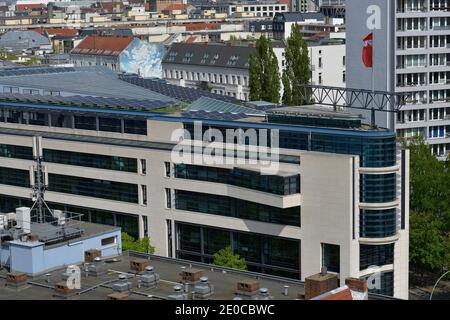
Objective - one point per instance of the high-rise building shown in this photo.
(411, 54)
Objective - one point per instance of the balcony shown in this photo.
(411, 84)
(412, 10)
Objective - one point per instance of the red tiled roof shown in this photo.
(191, 39)
(201, 26)
(177, 6)
(103, 45)
(64, 32)
(341, 295)
(111, 6)
(31, 6)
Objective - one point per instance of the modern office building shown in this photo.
(338, 199)
(411, 54)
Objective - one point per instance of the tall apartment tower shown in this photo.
(411, 54)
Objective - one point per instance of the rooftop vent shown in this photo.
(177, 293)
(149, 278)
(263, 295)
(203, 290)
(97, 268)
(122, 285)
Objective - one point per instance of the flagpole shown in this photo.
(372, 118)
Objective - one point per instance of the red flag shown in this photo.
(367, 53)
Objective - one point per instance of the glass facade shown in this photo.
(128, 223)
(377, 223)
(266, 254)
(91, 160)
(19, 152)
(386, 284)
(377, 188)
(375, 255)
(15, 177)
(331, 257)
(375, 151)
(240, 178)
(97, 188)
(232, 207)
(61, 120)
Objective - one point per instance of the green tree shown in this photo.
(287, 90)
(430, 208)
(139, 245)
(429, 179)
(298, 70)
(226, 258)
(264, 76)
(429, 245)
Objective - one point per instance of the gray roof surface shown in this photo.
(19, 40)
(300, 16)
(213, 105)
(211, 55)
(91, 81)
(169, 271)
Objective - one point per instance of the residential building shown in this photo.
(29, 41)
(267, 8)
(219, 68)
(100, 51)
(411, 54)
(310, 23)
(338, 199)
(304, 5)
(120, 54)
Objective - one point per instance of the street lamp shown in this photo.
(431, 295)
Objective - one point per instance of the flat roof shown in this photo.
(224, 281)
(316, 111)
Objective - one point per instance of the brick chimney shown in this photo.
(358, 288)
(320, 283)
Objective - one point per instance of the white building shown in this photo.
(411, 54)
(258, 9)
(218, 68)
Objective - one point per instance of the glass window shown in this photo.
(232, 207)
(375, 255)
(91, 160)
(189, 238)
(378, 223)
(19, 152)
(97, 188)
(330, 257)
(14, 177)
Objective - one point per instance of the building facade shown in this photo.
(339, 198)
(411, 54)
(218, 68)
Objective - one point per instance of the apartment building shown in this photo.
(412, 54)
(267, 8)
(338, 199)
(224, 69)
(218, 68)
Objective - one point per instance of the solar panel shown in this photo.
(177, 92)
(213, 115)
(110, 103)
